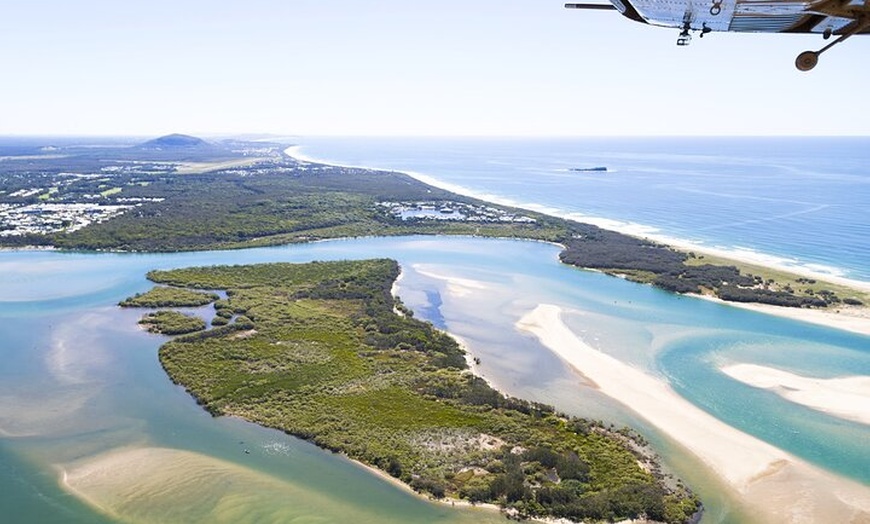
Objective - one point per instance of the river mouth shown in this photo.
(83, 393)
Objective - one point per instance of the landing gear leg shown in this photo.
(685, 37)
(808, 59)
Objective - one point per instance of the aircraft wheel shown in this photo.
(807, 60)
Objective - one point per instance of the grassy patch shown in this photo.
(110, 192)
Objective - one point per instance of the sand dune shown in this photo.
(846, 397)
(775, 485)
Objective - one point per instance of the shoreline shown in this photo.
(855, 319)
(94, 480)
(446, 501)
(740, 255)
(774, 484)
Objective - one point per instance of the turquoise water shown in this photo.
(80, 378)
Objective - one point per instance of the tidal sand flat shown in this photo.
(776, 486)
(845, 397)
(36, 413)
(151, 484)
(154, 484)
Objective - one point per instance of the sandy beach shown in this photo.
(855, 319)
(760, 259)
(852, 319)
(844, 397)
(775, 485)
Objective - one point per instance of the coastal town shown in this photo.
(44, 194)
(67, 202)
(62, 190)
(41, 219)
(451, 211)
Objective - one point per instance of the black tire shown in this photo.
(806, 60)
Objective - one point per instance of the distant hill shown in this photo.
(180, 148)
(175, 141)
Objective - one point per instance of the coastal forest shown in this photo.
(323, 351)
(179, 193)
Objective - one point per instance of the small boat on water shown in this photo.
(600, 169)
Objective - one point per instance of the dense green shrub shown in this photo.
(322, 354)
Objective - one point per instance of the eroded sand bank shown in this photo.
(774, 484)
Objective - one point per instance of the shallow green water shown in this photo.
(79, 378)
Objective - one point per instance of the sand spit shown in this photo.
(845, 397)
(852, 319)
(775, 485)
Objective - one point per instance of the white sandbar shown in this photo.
(456, 286)
(844, 397)
(775, 485)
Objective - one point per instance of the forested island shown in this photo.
(323, 351)
(180, 193)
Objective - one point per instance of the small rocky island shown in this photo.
(598, 169)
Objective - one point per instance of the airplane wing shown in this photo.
(843, 18)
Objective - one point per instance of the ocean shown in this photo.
(796, 202)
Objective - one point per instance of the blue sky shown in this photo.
(406, 67)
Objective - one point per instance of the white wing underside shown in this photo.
(755, 16)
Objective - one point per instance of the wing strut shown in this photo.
(603, 7)
(808, 59)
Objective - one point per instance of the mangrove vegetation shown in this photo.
(324, 352)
